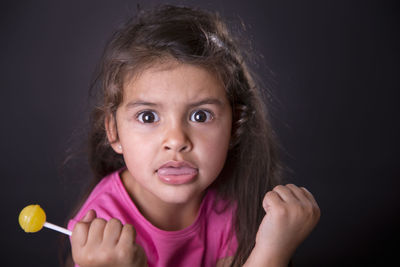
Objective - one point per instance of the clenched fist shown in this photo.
(96, 242)
(291, 214)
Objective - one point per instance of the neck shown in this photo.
(170, 217)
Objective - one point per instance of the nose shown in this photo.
(177, 139)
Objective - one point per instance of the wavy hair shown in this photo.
(201, 38)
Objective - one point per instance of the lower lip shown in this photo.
(177, 179)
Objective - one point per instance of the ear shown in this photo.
(110, 126)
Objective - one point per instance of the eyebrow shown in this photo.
(207, 101)
(136, 103)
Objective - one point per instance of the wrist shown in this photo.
(267, 257)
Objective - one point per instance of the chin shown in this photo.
(178, 195)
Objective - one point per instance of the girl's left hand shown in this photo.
(291, 214)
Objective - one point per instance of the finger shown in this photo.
(299, 193)
(128, 235)
(285, 193)
(312, 200)
(271, 199)
(90, 216)
(81, 229)
(308, 194)
(96, 231)
(112, 232)
(79, 234)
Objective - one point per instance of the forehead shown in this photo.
(166, 79)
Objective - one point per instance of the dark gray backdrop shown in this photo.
(333, 67)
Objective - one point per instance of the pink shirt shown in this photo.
(201, 244)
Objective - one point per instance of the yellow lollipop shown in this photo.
(32, 218)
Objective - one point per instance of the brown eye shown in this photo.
(201, 116)
(148, 117)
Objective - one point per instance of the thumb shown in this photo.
(90, 216)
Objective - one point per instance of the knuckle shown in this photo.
(87, 259)
(114, 224)
(129, 229)
(278, 187)
(95, 256)
(90, 258)
(102, 257)
(270, 194)
(114, 221)
(106, 257)
(306, 190)
(306, 211)
(125, 254)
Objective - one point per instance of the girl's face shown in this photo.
(173, 129)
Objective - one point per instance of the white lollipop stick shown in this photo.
(57, 228)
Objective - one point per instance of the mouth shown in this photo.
(177, 172)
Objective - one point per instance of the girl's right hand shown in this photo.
(96, 242)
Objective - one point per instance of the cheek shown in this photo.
(138, 150)
(214, 151)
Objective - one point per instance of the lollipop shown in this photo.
(32, 218)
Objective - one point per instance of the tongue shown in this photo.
(176, 171)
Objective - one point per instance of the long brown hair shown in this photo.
(201, 38)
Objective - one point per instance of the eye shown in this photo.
(148, 117)
(201, 116)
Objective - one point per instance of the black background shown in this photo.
(333, 69)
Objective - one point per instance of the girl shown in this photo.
(184, 158)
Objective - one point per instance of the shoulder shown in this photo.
(105, 195)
